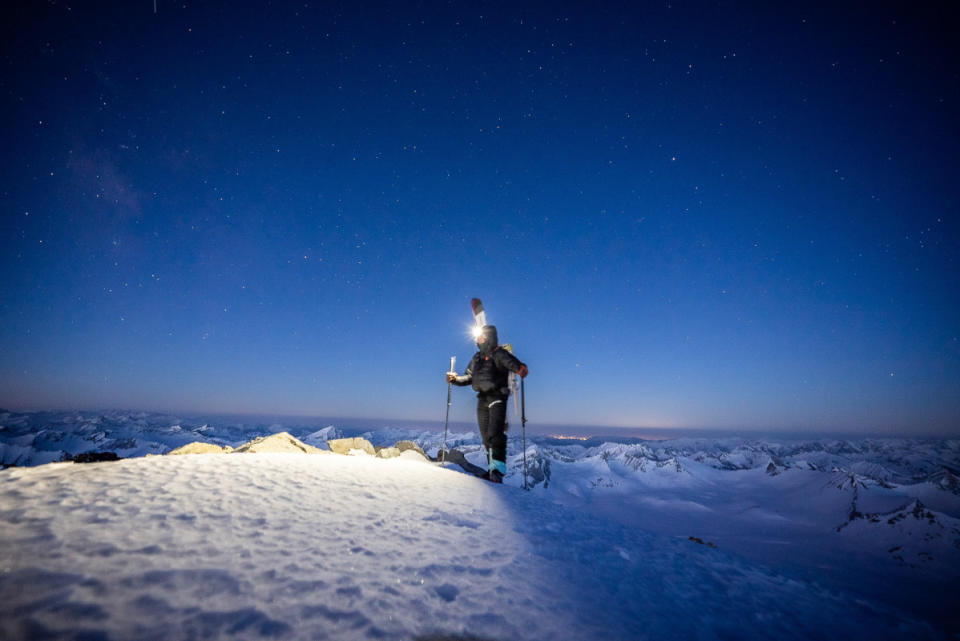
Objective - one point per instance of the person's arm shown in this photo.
(462, 380)
(509, 362)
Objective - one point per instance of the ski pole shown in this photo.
(446, 421)
(523, 430)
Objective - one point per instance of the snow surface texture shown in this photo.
(679, 539)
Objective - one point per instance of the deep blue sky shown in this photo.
(682, 214)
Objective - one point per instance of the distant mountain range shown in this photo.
(36, 438)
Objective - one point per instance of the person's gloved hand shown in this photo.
(523, 371)
(451, 377)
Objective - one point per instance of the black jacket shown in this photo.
(489, 368)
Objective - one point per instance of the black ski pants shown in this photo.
(492, 421)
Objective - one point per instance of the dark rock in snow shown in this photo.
(95, 457)
(697, 539)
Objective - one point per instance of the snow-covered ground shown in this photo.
(705, 538)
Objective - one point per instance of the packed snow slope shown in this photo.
(318, 546)
(718, 537)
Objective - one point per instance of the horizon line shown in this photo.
(659, 432)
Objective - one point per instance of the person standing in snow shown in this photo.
(488, 373)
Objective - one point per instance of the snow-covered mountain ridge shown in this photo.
(879, 518)
(42, 437)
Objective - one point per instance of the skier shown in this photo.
(487, 373)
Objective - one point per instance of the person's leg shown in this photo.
(496, 436)
(483, 422)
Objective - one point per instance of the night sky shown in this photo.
(730, 215)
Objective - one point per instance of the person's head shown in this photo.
(487, 341)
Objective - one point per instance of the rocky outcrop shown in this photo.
(402, 449)
(404, 446)
(345, 445)
(199, 447)
(283, 442)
